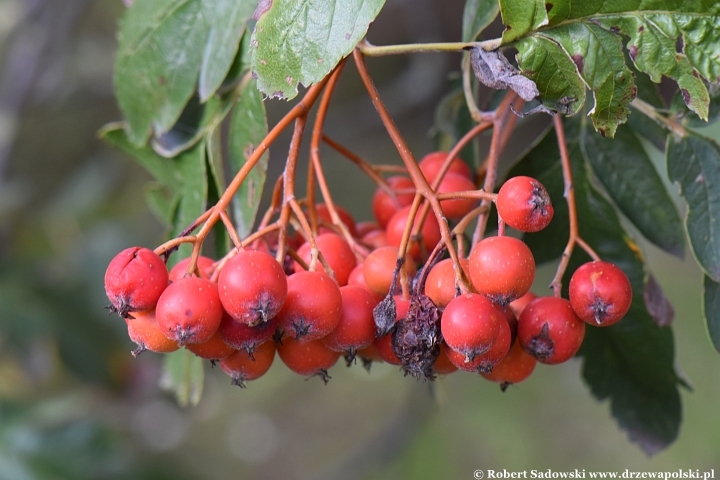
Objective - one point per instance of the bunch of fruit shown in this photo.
(477, 315)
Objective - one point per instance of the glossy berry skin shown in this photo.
(242, 336)
(484, 362)
(431, 163)
(600, 293)
(517, 306)
(470, 324)
(189, 310)
(313, 307)
(356, 329)
(379, 266)
(337, 253)
(430, 232)
(514, 368)
(524, 204)
(440, 282)
(134, 280)
(384, 206)
(252, 287)
(502, 269)
(204, 265)
(458, 207)
(357, 278)
(307, 357)
(213, 349)
(549, 330)
(144, 330)
(243, 367)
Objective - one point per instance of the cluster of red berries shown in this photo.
(257, 306)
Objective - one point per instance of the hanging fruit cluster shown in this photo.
(315, 285)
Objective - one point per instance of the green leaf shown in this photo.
(628, 175)
(226, 29)
(692, 162)
(162, 44)
(599, 58)
(588, 32)
(183, 376)
(711, 310)
(184, 176)
(302, 41)
(521, 17)
(690, 118)
(477, 16)
(194, 122)
(162, 202)
(543, 61)
(160, 48)
(248, 129)
(629, 363)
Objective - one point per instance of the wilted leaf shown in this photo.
(494, 71)
(693, 162)
(301, 42)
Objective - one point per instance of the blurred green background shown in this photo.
(74, 403)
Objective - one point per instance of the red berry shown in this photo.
(600, 293)
(189, 310)
(379, 266)
(517, 306)
(459, 207)
(356, 329)
(440, 282)
(486, 362)
(313, 307)
(134, 280)
(337, 253)
(366, 227)
(307, 357)
(384, 206)
(242, 336)
(514, 368)
(144, 330)
(213, 349)
(375, 239)
(204, 264)
(323, 213)
(357, 278)
(524, 204)
(430, 232)
(443, 365)
(432, 162)
(549, 330)
(252, 287)
(470, 324)
(243, 367)
(502, 269)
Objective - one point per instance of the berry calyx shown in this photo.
(242, 336)
(600, 293)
